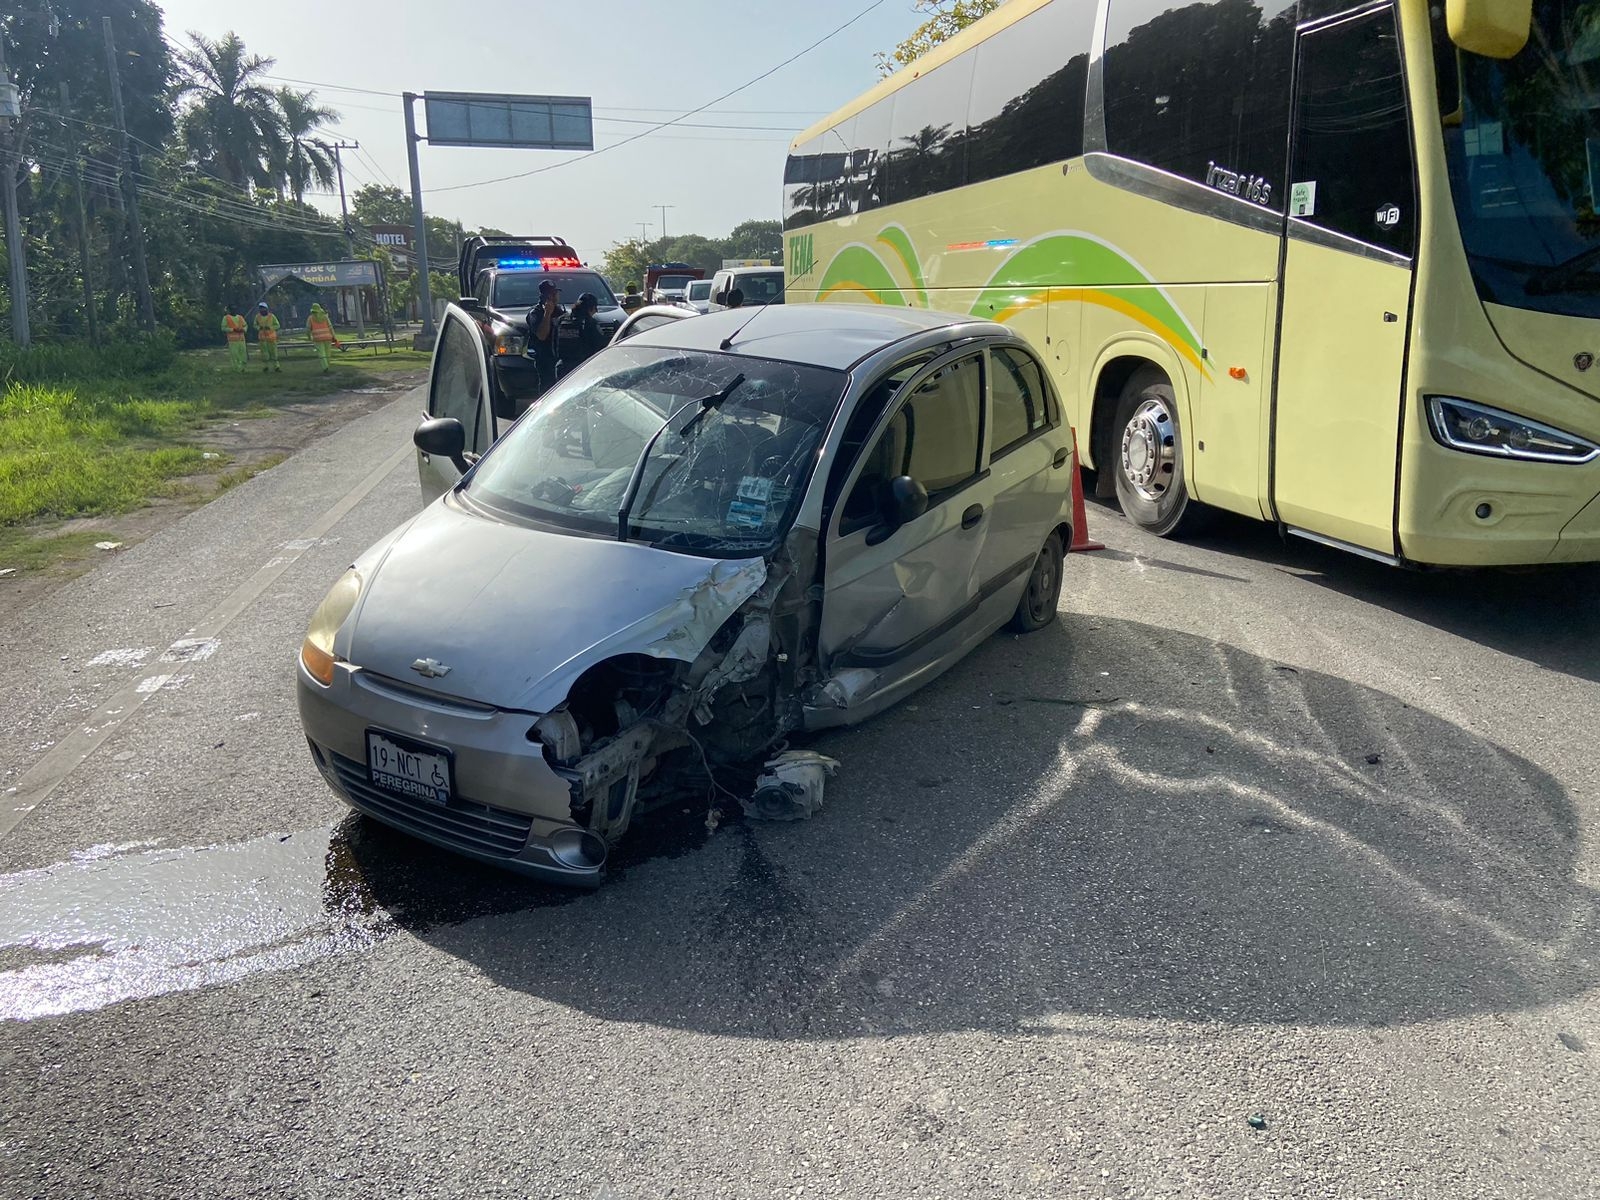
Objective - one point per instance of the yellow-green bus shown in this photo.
(1331, 265)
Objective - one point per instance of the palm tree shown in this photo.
(305, 161)
(233, 125)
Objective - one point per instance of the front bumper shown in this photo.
(517, 376)
(511, 809)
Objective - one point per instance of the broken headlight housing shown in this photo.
(316, 651)
(1479, 429)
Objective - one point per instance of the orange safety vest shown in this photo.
(267, 327)
(321, 331)
(235, 327)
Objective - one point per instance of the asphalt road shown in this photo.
(1255, 830)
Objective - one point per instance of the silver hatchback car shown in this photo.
(716, 534)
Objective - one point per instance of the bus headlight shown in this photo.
(1478, 429)
(316, 652)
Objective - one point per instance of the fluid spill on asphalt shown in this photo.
(116, 923)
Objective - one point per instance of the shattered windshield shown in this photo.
(1524, 158)
(723, 478)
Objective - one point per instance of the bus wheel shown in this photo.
(1149, 458)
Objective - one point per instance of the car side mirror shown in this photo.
(905, 502)
(444, 437)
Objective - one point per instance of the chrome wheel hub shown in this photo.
(1149, 450)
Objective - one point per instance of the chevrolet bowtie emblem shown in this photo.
(430, 668)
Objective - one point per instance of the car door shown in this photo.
(458, 386)
(899, 602)
(1029, 473)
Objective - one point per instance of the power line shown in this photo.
(644, 133)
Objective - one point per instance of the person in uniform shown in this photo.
(267, 326)
(233, 326)
(581, 336)
(320, 327)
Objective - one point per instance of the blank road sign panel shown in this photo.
(520, 122)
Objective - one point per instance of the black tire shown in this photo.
(1042, 595)
(1147, 459)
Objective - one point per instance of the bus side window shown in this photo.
(1202, 91)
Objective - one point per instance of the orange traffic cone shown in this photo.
(1080, 519)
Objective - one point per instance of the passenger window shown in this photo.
(1020, 400)
(869, 164)
(927, 143)
(800, 186)
(1201, 90)
(1027, 92)
(862, 420)
(458, 382)
(934, 437)
(1352, 145)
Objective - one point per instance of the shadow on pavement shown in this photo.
(1219, 838)
(1546, 615)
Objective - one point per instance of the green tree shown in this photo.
(945, 19)
(380, 204)
(755, 239)
(306, 161)
(233, 125)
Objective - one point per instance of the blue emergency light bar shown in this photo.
(538, 264)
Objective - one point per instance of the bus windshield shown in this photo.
(1525, 163)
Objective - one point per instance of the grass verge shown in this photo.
(86, 433)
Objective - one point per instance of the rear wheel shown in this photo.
(1042, 596)
(1148, 459)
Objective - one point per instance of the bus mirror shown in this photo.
(1492, 28)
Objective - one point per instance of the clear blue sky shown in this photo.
(639, 61)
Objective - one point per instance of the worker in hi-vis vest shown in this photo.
(233, 326)
(321, 330)
(267, 325)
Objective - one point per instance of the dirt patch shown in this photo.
(41, 557)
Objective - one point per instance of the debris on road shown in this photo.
(4, 571)
(1257, 1120)
(108, 545)
(1374, 759)
(791, 787)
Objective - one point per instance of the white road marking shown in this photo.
(128, 656)
(39, 782)
(191, 650)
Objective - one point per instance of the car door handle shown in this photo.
(972, 516)
(1060, 460)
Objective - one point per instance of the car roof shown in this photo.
(748, 270)
(824, 335)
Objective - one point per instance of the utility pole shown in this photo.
(344, 220)
(644, 232)
(11, 111)
(84, 271)
(425, 339)
(130, 186)
(663, 208)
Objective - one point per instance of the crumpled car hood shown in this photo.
(517, 614)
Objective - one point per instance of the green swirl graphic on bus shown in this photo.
(1061, 267)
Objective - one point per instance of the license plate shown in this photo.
(412, 770)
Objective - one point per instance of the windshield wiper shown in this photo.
(1553, 279)
(706, 403)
